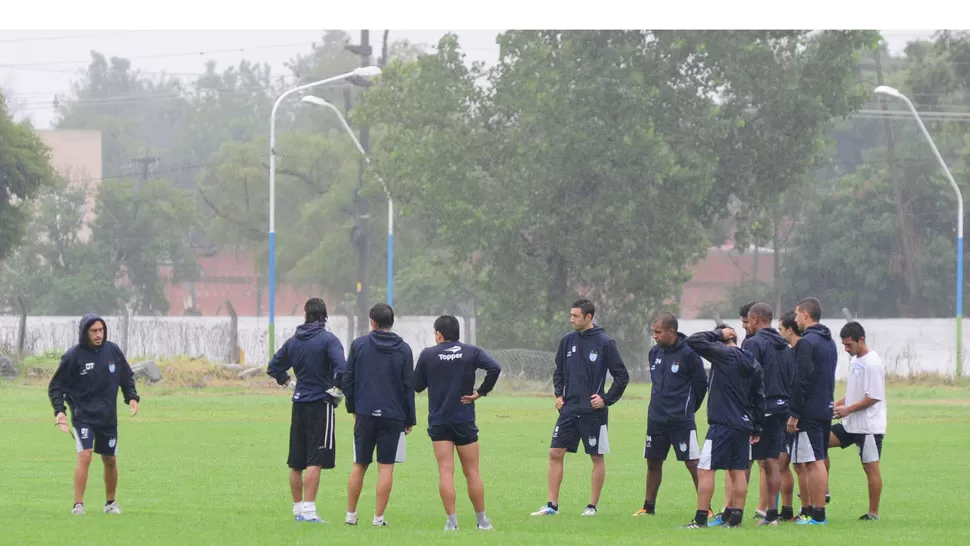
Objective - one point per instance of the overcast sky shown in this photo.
(37, 64)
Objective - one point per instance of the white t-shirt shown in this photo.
(867, 377)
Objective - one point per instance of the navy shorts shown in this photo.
(386, 435)
(725, 448)
(460, 434)
(590, 427)
(312, 435)
(104, 441)
(682, 436)
(870, 445)
(811, 442)
(772, 443)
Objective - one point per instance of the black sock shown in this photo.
(806, 511)
(78, 504)
(819, 514)
(650, 506)
(593, 506)
(700, 517)
(787, 512)
(108, 502)
(735, 516)
(771, 515)
(553, 506)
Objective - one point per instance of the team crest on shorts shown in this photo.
(592, 441)
(683, 446)
(593, 355)
(674, 367)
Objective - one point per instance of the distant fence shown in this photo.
(211, 337)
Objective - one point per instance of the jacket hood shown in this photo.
(594, 331)
(86, 322)
(820, 330)
(773, 337)
(307, 331)
(386, 342)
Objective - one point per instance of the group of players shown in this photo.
(770, 400)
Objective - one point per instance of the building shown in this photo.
(76, 156)
(724, 268)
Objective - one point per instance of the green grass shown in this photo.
(211, 469)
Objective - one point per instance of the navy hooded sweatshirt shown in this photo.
(317, 359)
(88, 379)
(447, 370)
(736, 396)
(582, 361)
(378, 377)
(813, 391)
(679, 384)
(778, 362)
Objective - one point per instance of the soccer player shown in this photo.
(678, 387)
(776, 359)
(447, 370)
(863, 410)
(743, 315)
(812, 405)
(582, 360)
(88, 379)
(735, 414)
(788, 329)
(380, 395)
(317, 358)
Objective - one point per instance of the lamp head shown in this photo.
(316, 101)
(890, 91)
(368, 71)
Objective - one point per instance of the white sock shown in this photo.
(452, 520)
(309, 509)
(482, 518)
(351, 516)
(297, 508)
(378, 519)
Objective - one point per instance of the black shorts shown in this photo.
(870, 445)
(311, 435)
(811, 442)
(103, 440)
(387, 435)
(682, 436)
(772, 443)
(590, 427)
(460, 434)
(725, 448)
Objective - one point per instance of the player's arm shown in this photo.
(420, 378)
(557, 376)
(756, 395)
(875, 392)
(347, 384)
(407, 371)
(621, 378)
(804, 377)
(127, 383)
(58, 387)
(492, 372)
(338, 364)
(279, 364)
(709, 345)
(698, 379)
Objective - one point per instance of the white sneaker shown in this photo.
(112, 508)
(486, 527)
(351, 519)
(78, 509)
(589, 511)
(379, 522)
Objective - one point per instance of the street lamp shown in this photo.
(362, 72)
(893, 92)
(317, 101)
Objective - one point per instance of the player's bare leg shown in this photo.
(81, 474)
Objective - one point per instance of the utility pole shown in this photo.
(145, 162)
(361, 232)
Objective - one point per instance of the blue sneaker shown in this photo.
(810, 521)
(546, 511)
(312, 519)
(717, 520)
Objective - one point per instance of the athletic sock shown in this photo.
(806, 511)
(593, 506)
(310, 509)
(553, 505)
(452, 520)
(771, 515)
(735, 516)
(297, 508)
(109, 502)
(787, 513)
(481, 518)
(650, 506)
(700, 518)
(819, 514)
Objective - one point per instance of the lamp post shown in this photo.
(893, 92)
(317, 101)
(362, 72)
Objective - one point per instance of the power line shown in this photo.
(68, 36)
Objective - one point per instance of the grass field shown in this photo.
(208, 467)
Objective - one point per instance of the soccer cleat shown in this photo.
(379, 522)
(546, 511)
(869, 517)
(731, 526)
(311, 519)
(693, 525)
(765, 522)
(810, 521)
(78, 509)
(486, 527)
(112, 508)
(589, 511)
(642, 512)
(717, 520)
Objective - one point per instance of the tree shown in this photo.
(24, 170)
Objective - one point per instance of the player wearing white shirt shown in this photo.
(863, 410)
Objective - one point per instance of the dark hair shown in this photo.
(315, 310)
(448, 327)
(853, 330)
(585, 306)
(667, 321)
(723, 326)
(743, 311)
(762, 310)
(383, 315)
(811, 306)
(788, 321)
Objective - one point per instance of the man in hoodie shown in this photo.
(678, 386)
(447, 370)
(735, 413)
(88, 379)
(317, 358)
(788, 329)
(743, 315)
(380, 394)
(812, 405)
(776, 359)
(582, 360)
